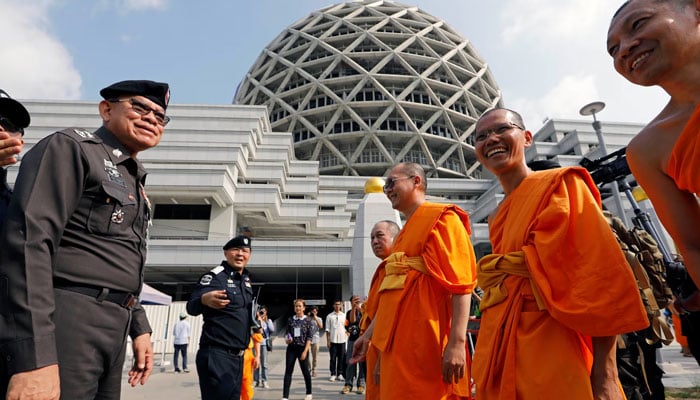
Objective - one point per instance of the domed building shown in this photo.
(331, 104)
(365, 85)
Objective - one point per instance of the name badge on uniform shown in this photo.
(297, 332)
(113, 173)
(118, 216)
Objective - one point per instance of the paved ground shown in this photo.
(165, 384)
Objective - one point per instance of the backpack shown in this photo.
(647, 264)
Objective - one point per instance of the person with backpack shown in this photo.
(268, 329)
(352, 327)
(657, 43)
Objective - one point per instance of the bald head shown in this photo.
(413, 169)
(382, 238)
(680, 4)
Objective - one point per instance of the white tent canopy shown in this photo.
(150, 295)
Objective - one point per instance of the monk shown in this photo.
(251, 361)
(557, 288)
(423, 302)
(657, 43)
(382, 240)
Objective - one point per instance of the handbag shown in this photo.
(268, 344)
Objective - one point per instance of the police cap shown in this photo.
(239, 241)
(14, 111)
(157, 92)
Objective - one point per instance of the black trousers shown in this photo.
(91, 345)
(690, 327)
(337, 353)
(220, 374)
(294, 352)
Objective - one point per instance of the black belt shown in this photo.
(229, 350)
(124, 299)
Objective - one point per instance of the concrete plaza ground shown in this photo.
(681, 372)
(167, 385)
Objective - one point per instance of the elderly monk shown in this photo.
(557, 288)
(421, 320)
(657, 43)
(382, 240)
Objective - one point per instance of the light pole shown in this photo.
(592, 109)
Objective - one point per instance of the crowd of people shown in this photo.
(77, 241)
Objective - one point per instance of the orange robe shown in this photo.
(413, 318)
(248, 367)
(556, 279)
(682, 340)
(685, 157)
(370, 310)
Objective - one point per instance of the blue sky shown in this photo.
(548, 56)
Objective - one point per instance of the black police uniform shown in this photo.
(225, 334)
(73, 254)
(5, 194)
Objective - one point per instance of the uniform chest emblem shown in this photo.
(118, 216)
(230, 283)
(117, 152)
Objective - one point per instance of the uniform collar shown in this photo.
(299, 319)
(229, 268)
(117, 153)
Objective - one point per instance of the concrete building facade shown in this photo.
(220, 171)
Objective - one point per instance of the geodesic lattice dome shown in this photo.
(365, 85)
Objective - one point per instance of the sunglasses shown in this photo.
(144, 110)
(390, 182)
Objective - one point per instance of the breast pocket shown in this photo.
(113, 211)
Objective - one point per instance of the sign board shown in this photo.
(318, 302)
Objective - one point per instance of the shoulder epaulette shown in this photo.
(216, 270)
(81, 134)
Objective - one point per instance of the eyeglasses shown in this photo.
(390, 182)
(9, 127)
(498, 130)
(144, 110)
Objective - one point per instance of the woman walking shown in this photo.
(298, 338)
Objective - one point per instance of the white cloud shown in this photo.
(562, 101)
(552, 20)
(140, 5)
(126, 6)
(34, 63)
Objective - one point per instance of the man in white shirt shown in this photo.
(181, 337)
(336, 337)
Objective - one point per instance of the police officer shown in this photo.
(13, 119)
(73, 253)
(224, 296)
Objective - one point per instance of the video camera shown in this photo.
(614, 168)
(610, 168)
